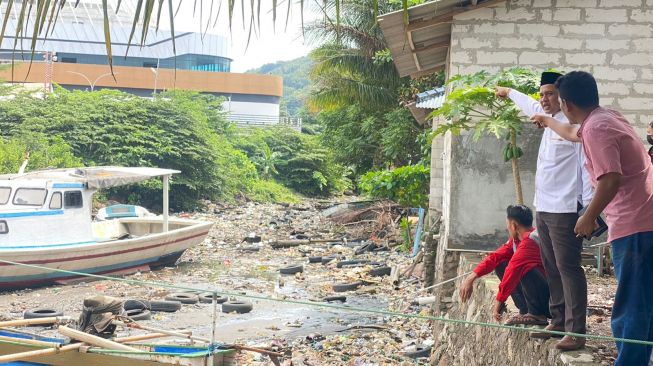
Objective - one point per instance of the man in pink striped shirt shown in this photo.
(622, 175)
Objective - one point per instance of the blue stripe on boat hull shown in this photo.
(30, 214)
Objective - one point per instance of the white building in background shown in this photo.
(201, 63)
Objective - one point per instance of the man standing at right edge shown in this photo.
(561, 183)
(623, 177)
(622, 174)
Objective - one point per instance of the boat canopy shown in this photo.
(95, 177)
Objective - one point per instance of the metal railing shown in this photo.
(254, 120)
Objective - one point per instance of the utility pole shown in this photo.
(49, 71)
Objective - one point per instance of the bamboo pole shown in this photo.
(55, 349)
(276, 244)
(94, 340)
(32, 342)
(195, 338)
(141, 337)
(23, 322)
(22, 356)
(187, 335)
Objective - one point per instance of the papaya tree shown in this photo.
(472, 106)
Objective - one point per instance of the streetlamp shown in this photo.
(156, 75)
(91, 84)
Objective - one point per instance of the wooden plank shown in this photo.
(94, 340)
(432, 46)
(428, 71)
(409, 35)
(448, 17)
(444, 18)
(483, 4)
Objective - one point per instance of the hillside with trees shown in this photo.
(295, 82)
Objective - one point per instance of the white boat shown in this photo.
(45, 220)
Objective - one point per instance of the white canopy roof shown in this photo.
(94, 177)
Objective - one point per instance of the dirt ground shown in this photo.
(309, 335)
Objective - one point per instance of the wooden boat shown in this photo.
(45, 220)
(12, 342)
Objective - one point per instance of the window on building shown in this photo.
(30, 197)
(72, 199)
(149, 64)
(69, 60)
(5, 192)
(55, 201)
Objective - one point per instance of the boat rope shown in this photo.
(439, 284)
(353, 309)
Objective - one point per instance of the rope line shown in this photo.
(354, 309)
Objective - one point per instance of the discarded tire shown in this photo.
(351, 263)
(240, 307)
(183, 297)
(342, 287)
(136, 305)
(335, 298)
(380, 271)
(314, 259)
(292, 269)
(165, 306)
(368, 247)
(420, 351)
(138, 314)
(207, 298)
(326, 260)
(41, 313)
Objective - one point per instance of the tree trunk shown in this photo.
(515, 170)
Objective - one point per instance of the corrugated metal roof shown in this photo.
(421, 46)
(431, 99)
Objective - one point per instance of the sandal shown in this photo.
(526, 319)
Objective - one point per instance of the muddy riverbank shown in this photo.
(226, 262)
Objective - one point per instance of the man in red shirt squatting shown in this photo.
(622, 174)
(519, 266)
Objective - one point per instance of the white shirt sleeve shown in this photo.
(587, 191)
(526, 104)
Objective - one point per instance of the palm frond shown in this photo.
(344, 12)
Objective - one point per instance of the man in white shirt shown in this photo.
(561, 185)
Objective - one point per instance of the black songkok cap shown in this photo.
(549, 77)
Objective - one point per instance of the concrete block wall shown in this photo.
(613, 39)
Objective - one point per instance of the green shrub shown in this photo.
(175, 131)
(407, 185)
(270, 191)
(42, 153)
(295, 160)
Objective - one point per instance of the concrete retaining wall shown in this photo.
(476, 346)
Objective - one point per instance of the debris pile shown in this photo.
(332, 256)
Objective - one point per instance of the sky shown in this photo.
(270, 46)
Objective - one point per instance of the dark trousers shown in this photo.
(632, 312)
(561, 256)
(531, 296)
